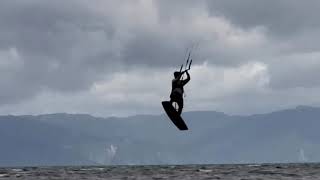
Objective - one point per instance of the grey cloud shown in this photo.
(61, 44)
(282, 17)
(66, 46)
(296, 71)
(184, 9)
(154, 50)
(292, 31)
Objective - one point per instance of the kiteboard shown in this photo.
(174, 116)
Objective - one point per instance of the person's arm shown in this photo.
(187, 79)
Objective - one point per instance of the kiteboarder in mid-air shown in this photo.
(174, 107)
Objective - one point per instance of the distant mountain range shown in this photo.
(73, 139)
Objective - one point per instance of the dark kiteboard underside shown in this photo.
(174, 116)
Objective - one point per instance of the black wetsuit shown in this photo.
(177, 91)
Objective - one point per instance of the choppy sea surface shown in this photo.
(230, 172)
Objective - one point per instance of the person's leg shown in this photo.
(177, 98)
(180, 103)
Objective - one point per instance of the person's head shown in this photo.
(176, 74)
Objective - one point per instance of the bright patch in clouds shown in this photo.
(141, 91)
(212, 82)
(10, 59)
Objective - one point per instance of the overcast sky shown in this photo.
(116, 57)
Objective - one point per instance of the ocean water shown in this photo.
(194, 172)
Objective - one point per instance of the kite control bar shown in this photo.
(187, 69)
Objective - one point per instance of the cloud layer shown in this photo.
(117, 57)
